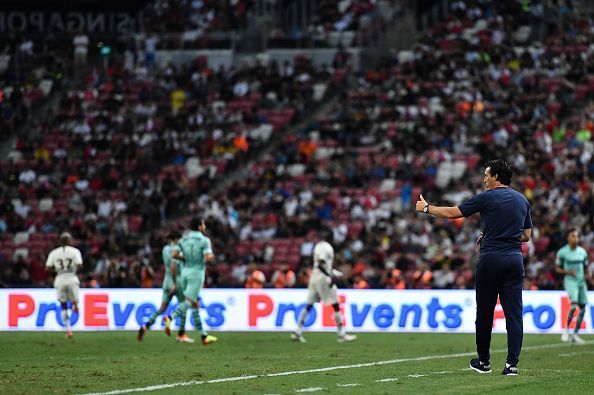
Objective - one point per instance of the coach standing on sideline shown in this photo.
(506, 223)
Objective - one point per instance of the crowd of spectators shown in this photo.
(339, 23)
(167, 16)
(194, 24)
(132, 147)
(30, 70)
(474, 87)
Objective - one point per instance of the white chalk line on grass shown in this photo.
(330, 368)
(572, 354)
(311, 389)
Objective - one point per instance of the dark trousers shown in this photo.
(503, 276)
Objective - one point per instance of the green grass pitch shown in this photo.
(35, 363)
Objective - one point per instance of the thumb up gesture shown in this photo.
(421, 204)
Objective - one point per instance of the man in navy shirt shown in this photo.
(506, 223)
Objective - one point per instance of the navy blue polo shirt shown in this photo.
(505, 213)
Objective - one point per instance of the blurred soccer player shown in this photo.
(171, 286)
(506, 221)
(66, 261)
(572, 261)
(195, 250)
(322, 288)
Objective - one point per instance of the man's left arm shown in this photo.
(527, 232)
(587, 274)
(50, 270)
(526, 235)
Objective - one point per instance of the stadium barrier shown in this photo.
(277, 310)
(216, 58)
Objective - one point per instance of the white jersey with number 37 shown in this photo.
(323, 255)
(65, 260)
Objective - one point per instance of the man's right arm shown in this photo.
(559, 266)
(449, 212)
(177, 255)
(49, 264)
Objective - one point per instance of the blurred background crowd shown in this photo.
(273, 153)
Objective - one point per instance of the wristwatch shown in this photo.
(426, 209)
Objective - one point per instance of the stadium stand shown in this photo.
(337, 23)
(193, 24)
(403, 127)
(125, 151)
(30, 70)
(135, 150)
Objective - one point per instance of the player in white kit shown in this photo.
(322, 288)
(65, 261)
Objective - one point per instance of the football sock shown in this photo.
(302, 316)
(338, 320)
(182, 324)
(579, 320)
(570, 315)
(180, 311)
(198, 322)
(153, 318)
(65, 319)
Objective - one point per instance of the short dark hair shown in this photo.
(65, 238)
(570, 231)
(501, 170)
(174, 235)
(196, 222)
(326, 234)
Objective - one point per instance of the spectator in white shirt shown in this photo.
(81, 49)
(28, 176)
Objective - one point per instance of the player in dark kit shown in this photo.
(506, 223)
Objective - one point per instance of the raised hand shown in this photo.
(421, 203)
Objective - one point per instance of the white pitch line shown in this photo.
(226, 379)
(312, 389)
(348, 385)
(330, 368)
(571, 354)
(416, 376)
(386, 380)
(443, 372)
